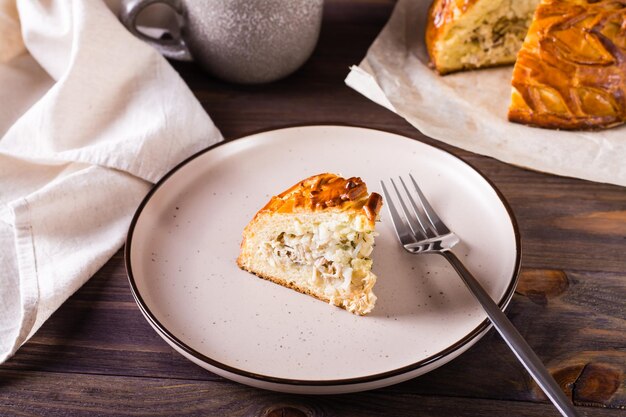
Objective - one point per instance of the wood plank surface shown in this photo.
(98, 356)
(51, 394)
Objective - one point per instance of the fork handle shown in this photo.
(514, 339)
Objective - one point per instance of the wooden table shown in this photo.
(97, 355)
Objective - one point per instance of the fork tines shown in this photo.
(420, 223)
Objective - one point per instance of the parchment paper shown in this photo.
(469, 109)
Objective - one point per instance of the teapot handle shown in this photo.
(170, 48)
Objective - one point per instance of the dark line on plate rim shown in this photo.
(335, 382)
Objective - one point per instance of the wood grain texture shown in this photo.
(595, 322)
(602, 223)
(98, 356)
(53, 395)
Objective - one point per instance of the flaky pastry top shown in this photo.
(326, 192)
(571, 71)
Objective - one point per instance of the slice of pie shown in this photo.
(467, 34)
(316, 238)
(571, 70)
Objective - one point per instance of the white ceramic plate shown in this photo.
(185, 236)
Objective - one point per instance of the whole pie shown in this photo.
(571, 70)
(316, 238)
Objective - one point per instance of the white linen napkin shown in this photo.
(89, 117)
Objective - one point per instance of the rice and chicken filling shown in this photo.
(337, 253)
(492, 43)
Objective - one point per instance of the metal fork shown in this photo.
(421, 230)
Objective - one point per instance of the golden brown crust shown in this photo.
(323, 192)
(441, 14)
(373, 205)
(571, 71)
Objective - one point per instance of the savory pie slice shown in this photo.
(467, 34)
(317, 237)
(571, 70)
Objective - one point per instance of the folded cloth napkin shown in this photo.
(89, 118)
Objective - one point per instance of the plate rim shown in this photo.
(164, 332)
